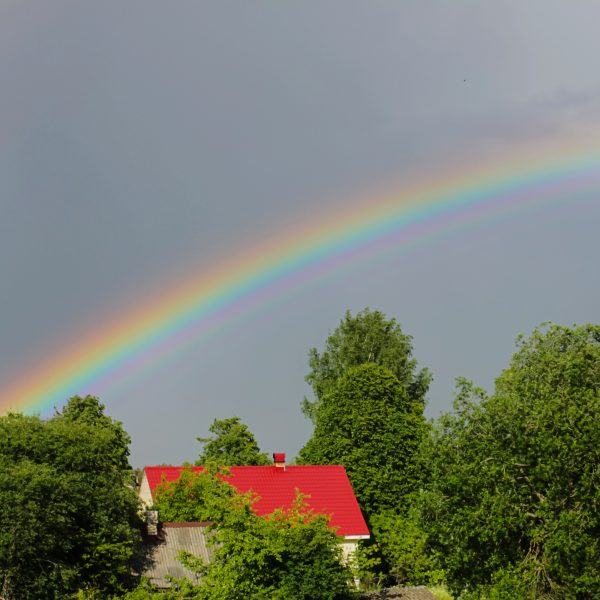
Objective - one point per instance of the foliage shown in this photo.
(368, 423)
(367, 337)
(66, 513)
(89, 411)
(193, 497)
(514, 498)
(441, 592)
(179, 590)
(289, 554)
(404, 550)
(232, 444)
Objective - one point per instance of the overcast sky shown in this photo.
(141, 139)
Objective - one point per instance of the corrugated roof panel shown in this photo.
(162, 554)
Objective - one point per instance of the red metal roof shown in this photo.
(327, 488)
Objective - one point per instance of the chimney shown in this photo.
(279, 460)
(152, 522)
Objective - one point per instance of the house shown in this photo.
(326, 488)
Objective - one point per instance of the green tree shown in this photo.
(66, 511)
(193, 498)
(88, 410)
(231, 444)
(288, 554)
(515, 494)
(368, 337)
(368, 423)
(400, 553)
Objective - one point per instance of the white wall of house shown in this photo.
(145, 495)
(349, 548)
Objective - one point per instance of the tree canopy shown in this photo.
(368, 337)
(514, 495)
(231, 444)
(192, 498)
(67, 507)
(368, 423)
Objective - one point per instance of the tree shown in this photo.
(368, 423)
(192, 498)
(288, 554)
(66, 511)
(232, 444)
(514, 497)
(88, 410)
(400, 552)
(369, 337)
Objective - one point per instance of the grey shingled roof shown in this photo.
(161, 552)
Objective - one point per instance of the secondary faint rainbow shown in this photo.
(421, 209)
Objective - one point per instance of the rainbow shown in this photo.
(422, 208)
